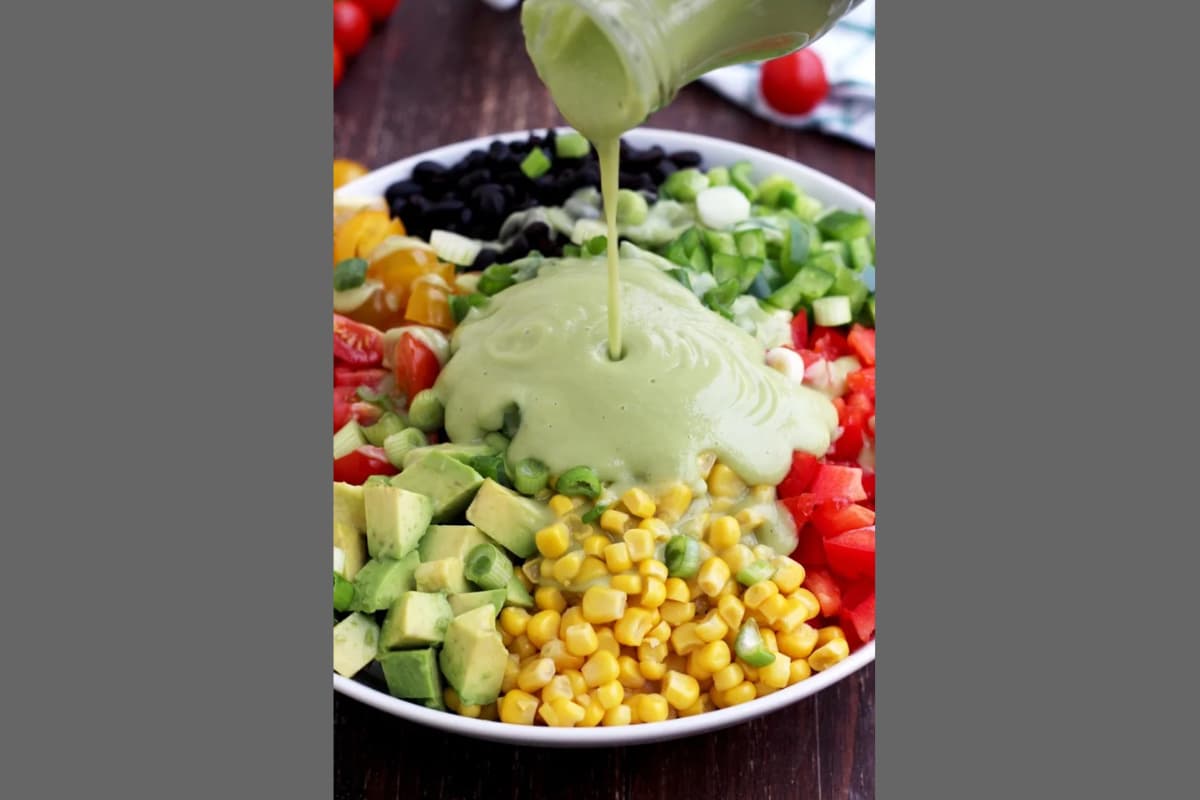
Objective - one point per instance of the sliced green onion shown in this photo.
(487, 567)
(530, 476)
(805, 207)
(496, 278)
(718, 176)
(572, 250)
(497, 441)
(579, 482)
(571, 145)
(751, 243)
(832, 311)
(349, 274)
(739, 176)
(632, 208)
(490, 467)
(700, 260)
(750, 647)
(347, 440)
(720, 242)
(682, 556)
(536, 164)
(596, 245)
(722, 295)
(398, 444)
(861, 256)
(843, 225)
(461, 304)
(343, 593)
(595, 512)
(425, 411)
(388, 424)
(677, 254)
(685, 184)
(772, 187)
(808, 284)
(754, 572)
(376, 399)
(691, 241)
(726, 267)
(454, 248)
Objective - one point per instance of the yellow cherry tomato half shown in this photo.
(362, 233)
(345, 170)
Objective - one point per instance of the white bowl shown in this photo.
(715, 152)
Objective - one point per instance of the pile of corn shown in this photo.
(621, 642)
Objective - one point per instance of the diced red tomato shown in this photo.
(347, 406)
(821, 582)
(371, 378)
(859, 408)
(800, 330)
(868, 482)
(862, 341)
(829, 520)
(852, 554)
(849, 444)
(862, 380)
(356, 344)
(811, 549)
(838, 482)
(857, 615)
(829, 343)
(800, 477)
(840, 405)
(417, 366)
(361, 464)
(800, 507)
(810, 357)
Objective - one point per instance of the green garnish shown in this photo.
(750, 647)
(596, 245)
(349, 274)
(570, 145)
(685, 184)
(398, 444)
(343, 593)
(425, 411)
(496, 278)
(490, 467)
(579, 482)
(595, 512)
(682, 556)
(461, 304)
(487, 567)
(843, 225)
(754, 572)
(388, 424)
(536, 164)
(530, 476)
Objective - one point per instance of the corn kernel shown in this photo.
(749, 518)
(559, 688)
(652, 670)
(512, 668)
(777, 672)
(592, 569)
(659, 530)
(629, 674)
(680, 690)
(651, 707)
(696, 670)
(629, 584)
(594, 545)
(513, 620)
(556, 651)
(614, 521)
(750, 672)
(601, 604)
(773, 607)
(601, 667)
(593, 712)
(543, 627)
(712, 576)
(553, 540)
(674, 501)
(724, 533)
(722, 504)
(578, 684)
(828, 654)
(828, 634)
(685, 639)
(618, 715)
(724, 482)
(677, 590)
(609, 694)
(744, 692)
(518, 708)
(809, 599)
(567, 567)
(794, 614)
(581, 639)
(706, 552)
(704, 464)
(652, 650)
(712, 627)
(561, 505)
(768, 638)
(762, 494)
(789, 574)
(506, 638)
(631, 628)
(798, 642)
(702, 705)
(762, 690)
(548, 598)
(717, 697)
(737, 557)
(562, 713)
(639, 543)
(569, 617)
(799, 670)
(607, 641)
(653, 594)
(677, 613)
(616, 556)
(653, 568)
(759, 592)
(731, 610)
(727, 677)
(639, 502)
(676, 662)
(714, 656)
(535, 675)
(490, 712)
(522, 647)
(661, 631)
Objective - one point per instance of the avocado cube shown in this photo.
(416, 618)
(469, 601)
(396, 520)
(450, 541)
(412, 674)
(459, 452)
(473, 657)
(355, 644)
(353, 546)
(443, 575)
(448, 483)
(508, 518)
(517, 595)
(348, 505)
(381, 581)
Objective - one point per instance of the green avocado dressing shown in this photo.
(688, 382)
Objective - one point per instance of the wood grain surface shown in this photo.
(445, 70)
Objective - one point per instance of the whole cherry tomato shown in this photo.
(378, 10)
(339, 65)
(795, 83)
(351, 27)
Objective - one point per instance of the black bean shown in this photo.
(499, 154)
(512, 253)
(489, 200)
(466, 218)
(474, 159)
(487, 256)
(474, 178)
(643, 159)
(538, 235)
(589, 175)
(428, 172)
(401, 189)
(444, 213)
(686, 158)
(663, 169)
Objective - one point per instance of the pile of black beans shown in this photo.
(474, 196)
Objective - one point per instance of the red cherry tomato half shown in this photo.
(795, 83)
(416, 366)
(339, 65)
(356, 344)
(361, 464)
(351, 27)
(378, 10)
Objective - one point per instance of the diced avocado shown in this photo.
(352, 544)
(382, 580)
(412, 674)
(450, 541)
(473, 657)
(459, 452)
(443, 575)
(396, 519)
(469, 601)
(517, 595)
(355, 643)
(416, 618)
(348, 505)
(508, 518)
(448, 483)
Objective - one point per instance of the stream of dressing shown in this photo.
(609, 152)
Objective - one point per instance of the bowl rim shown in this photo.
(372, 185)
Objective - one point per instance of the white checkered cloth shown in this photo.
(848, 53)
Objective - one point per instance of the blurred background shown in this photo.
(411, 75)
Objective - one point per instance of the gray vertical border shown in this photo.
(167, 350)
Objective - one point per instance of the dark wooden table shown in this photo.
(454, 69)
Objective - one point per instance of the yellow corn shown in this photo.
(581, 639)
(609, 694)
(561, 505)
(616, 556)
(653, 568)
(631, 628)
(512, 668)
(773, 607)
(660, 632)
(714, 656)
(677, 613)
(518, 708)
(593, 712)
(794, 614)
(749, 518)
(717, 697)
(776, 673)
(685, 639)
(553, 540)
(639, 502)
(562, 713)
(704, 464)
(695, 669)
(601, 667)
(762, 690)
(602, 604)
(578, 684)
(750, 672)
(548, 598)
(543, 627)
(639, 543)
(506, 637)
(800, 670)
(677, 590)
(828, 654)
(757, 594)
(674, 502)
(651, 707)
(569, 617)
(762, 494)
(535, 675)
(676, 662)
(660, 530)
(712, 627)
(490, 712)
(680, 690)
(629, 674)
(591, 569)
(618, 715)
(567, 567)
(559, 688)
(722, 504)
(724, 482)
(652, 650)
(737, 557)
(798, 642)
(513, 620)
(556, 651)
(522, 646)
(828, 634)
(768, 637)
(652, 670)
(731, 610)
(712, 576)
(607, 641)
(614, 521)
(629, 584)
(744, 692)
(594, 545)
(723, 533)
(809, 599)
(703, 704)
(653, 594)
(727, 677)
(789, 574)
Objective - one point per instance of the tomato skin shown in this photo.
(862, 381)
(377, 10)
(351, 27)
(821, 582)
(356, 344)
(347, 406)
(857, 614)
(835, 482)
(361, 464)
(829, 343)
(339, 66)
(371, 378)
(862, 342)
(800, 477)
(417, 367)
(829, 520)
(801, 508)
(800, 330)
(849, 444)
(795, 83)
(811, 548)
(851, 555)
